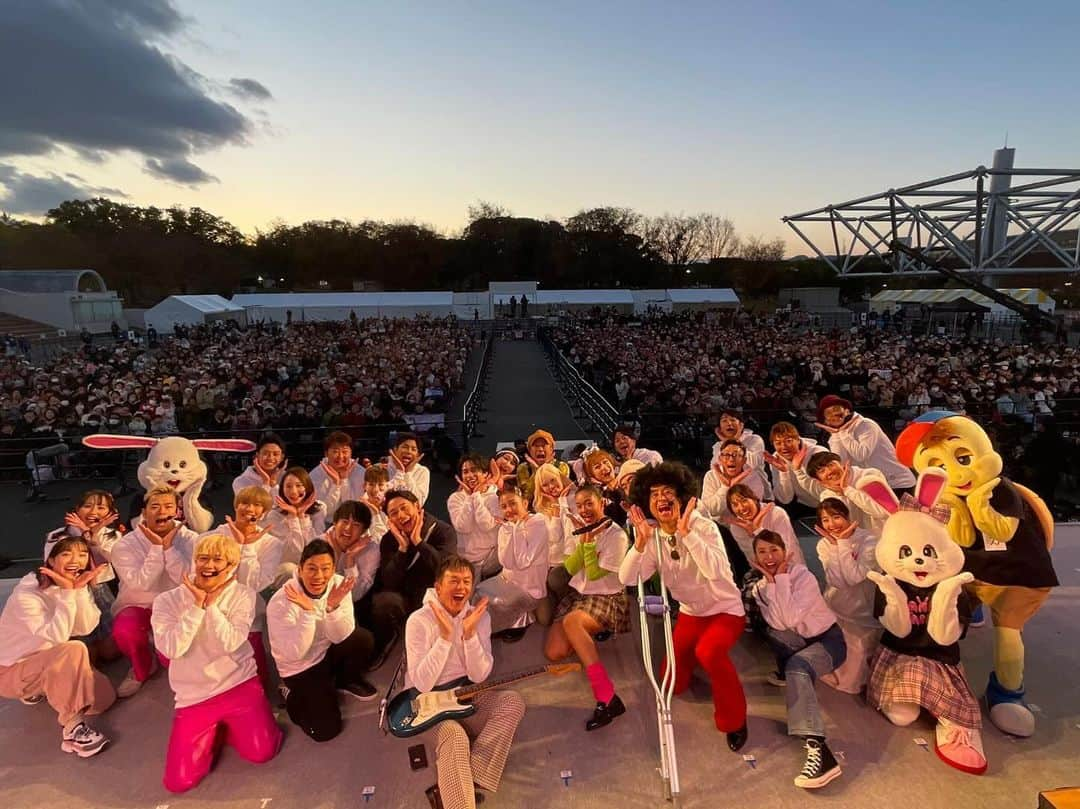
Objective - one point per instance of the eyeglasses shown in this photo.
(732, 455)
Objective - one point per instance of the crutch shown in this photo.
(665, 688)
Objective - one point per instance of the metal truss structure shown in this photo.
(975, 222)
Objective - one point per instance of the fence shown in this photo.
(474, 404)
(585, 401)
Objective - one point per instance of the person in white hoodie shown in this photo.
(149, 560)
(296, 516)
(695, 569)
(749, 517)
(859, 441)
(825, 474)
(260, 557)
(730, 426)
(338, 477)
(316, 644)
(406, 471)
(523, 553)
(202, 627)
(786, 488)
(267, 465)
(625, 439)
(475, 513)
(93, 521)
(449, 639)
(808, 643)
(847, 553)
(729, 470)
(39, 656)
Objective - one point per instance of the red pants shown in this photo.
(707, 641)
(239, 717)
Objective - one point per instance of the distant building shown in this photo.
(61, 300)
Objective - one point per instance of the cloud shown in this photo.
(249, 88)
(92, 77)
(23, 193)
(178, 170)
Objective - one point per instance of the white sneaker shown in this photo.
(83, 741)
(32, 700)
(129, 685)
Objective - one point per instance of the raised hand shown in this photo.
(472, 620)
(338, 594)
(215, 594)
(402, 540)
(196, 593)
(395, 462)
(769, 577)
(496, 476)
(76, 522)
(845, 476)
(644, 531)
(776, 462)
(58, 579)
(718, 470)
(237, 532)
(331, 473)
(414, 536)
(298, 597)
(798, 458)
(948, 590)
(683, 527)
(463, 487)
(888, 586)
(267, 477)
(446, 626)
(739, 478)
(87, 576)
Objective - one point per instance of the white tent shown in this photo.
(192, 310)
(301, 306)
(696, 300)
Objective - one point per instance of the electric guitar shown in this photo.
(412, 712)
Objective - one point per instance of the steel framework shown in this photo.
(975, 221)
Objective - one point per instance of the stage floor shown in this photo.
(617, 766)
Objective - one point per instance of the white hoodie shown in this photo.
(333, 494)
(146, 570)
(523, 553)
(35, 619)
(208, 649)
(294, 531)
(299, 638)
(417, 480)
(772, 518)
(431, 660)
(794, 602)
(863, 508)
(101, 550)
(714, 491)
(754, 445)
(249, 477)
(609, 548)
(849, 593)
(864, 443)
(700, 579)
(474, 518)
(786, 486)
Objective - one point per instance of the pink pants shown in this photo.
(239, 717)
(131, 632)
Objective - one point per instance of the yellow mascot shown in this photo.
(1006, 532)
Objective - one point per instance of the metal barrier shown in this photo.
(474, 404)
(585, 401)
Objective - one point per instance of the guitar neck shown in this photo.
(468, 691)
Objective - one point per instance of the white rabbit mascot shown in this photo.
(174, 461)
(922, 606)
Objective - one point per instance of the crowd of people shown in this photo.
(319, 576)
(671, 373)
(366, 377)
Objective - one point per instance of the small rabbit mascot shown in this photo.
(924, 610)
(174, 461)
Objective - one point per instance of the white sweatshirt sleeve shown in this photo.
(340, 623)
(783, 485)
(713, 495)
(707, 549)
(426, 652)
(483, 516)
(461, 507)
(478, 658)
(857, 443)
(846, 564)
(292, 630)
(138, 565)
(176, 620)
(87, 614)
(637, 565)
(227, 631)
(33, 614)
(521, 544)
(259, 562)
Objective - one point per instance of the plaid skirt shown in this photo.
(939, 687)
(610, 611)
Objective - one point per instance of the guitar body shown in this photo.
(410, 713)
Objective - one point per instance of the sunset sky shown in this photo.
(264, 110)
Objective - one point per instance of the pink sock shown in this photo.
(602, 687)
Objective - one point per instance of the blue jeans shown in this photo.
(803, 662)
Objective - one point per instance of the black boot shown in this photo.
(435, 797)
(511, 635)
(605, 713)
(737, 739)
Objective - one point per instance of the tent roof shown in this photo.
(931, 296)
(344, 299)
(703, 296)
(30, 281)
(579, 296)
(205, 303)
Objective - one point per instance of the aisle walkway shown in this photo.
(523, 397)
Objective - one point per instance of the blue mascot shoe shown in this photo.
(1008, 711)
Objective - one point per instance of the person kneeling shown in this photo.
(202, 627)
(445, 640)
(597, 603)
(808, 643)
(316, 644)
(39, 658)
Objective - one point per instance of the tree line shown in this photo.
(147, 253)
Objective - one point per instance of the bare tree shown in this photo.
(487, 210)
(718, 236)
(756, 248)
(676, 239)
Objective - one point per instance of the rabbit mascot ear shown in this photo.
(174, 462)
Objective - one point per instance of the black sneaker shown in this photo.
(511, 635)
(362, 690)
(604, 714)
(820, 767)
(435, 797)
(737, 738)
(381, 656)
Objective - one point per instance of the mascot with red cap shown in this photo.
(1006, 532)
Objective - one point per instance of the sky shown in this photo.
(266, 111)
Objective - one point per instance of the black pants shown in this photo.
(384, 613)
(312, 702)
(740, 565)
